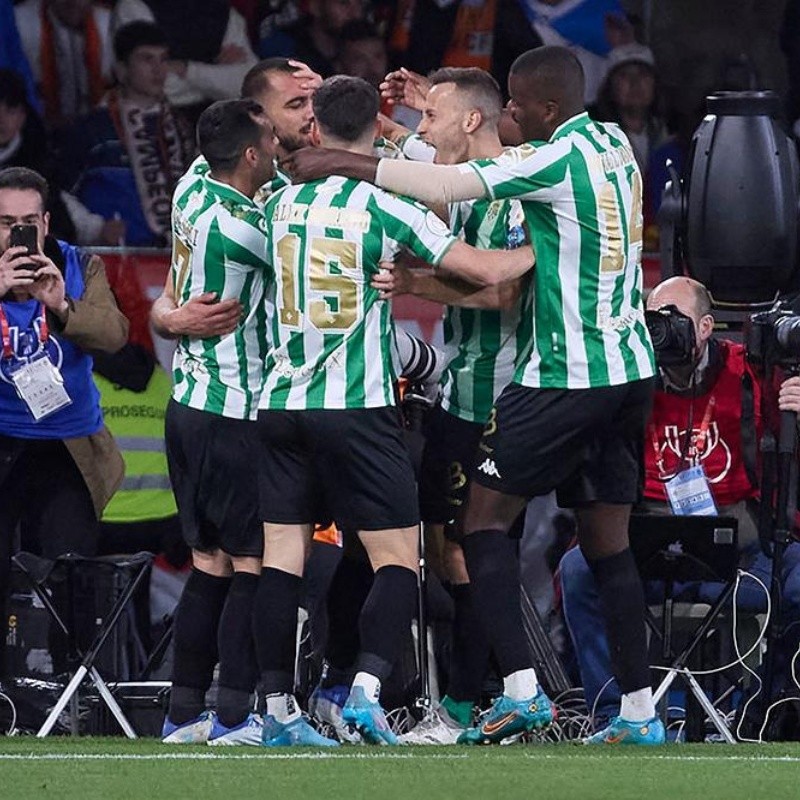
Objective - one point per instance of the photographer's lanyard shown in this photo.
(38, 381)
(687, 490)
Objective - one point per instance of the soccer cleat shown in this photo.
(437, 728)
(325, 705)
(367, 718)
(195, 731)
(247, 732)
(295, 733)
(509, 717)
(621, 731)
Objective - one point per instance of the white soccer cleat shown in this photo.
(437, 728)
(248, 732)
(195, 731)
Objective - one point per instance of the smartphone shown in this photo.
(25, 236)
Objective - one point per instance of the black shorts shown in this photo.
(351, 464)
(448, 461)
(212, 469)
(585, 443)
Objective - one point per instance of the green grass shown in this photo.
(114, 769)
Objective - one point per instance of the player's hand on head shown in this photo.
(309, 80)
(14, 269)
(202, 316)
(404, 87)
(789, 395)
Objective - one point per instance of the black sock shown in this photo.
(386, 619)
(275, 629)
(348, 592)
(470, 652)
(195, 639)
(238, 670)
(622, 602)
(493, 569)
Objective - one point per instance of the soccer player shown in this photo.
(328, 426)
(460, 120)
(574, 418)
(219, 252)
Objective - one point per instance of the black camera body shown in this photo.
(772, 338)
(672, 333)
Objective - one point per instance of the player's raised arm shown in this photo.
(430, 183)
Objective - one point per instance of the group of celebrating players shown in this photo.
(283, 412)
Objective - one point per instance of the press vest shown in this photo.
(715, 440)
(83, 416)
(136, 419)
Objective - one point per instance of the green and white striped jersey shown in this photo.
(219, 244)
(582, 197)
(481, 345)
(333, 338)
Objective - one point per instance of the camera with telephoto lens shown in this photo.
(773, 337)
(673, 336)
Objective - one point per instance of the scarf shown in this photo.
(153, 144)
(47, 56)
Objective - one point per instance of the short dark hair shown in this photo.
(140, 33)
(256, 80)
(556, 68)
(226, 129)
(13, 91)
(25, 179)
(345, 107)
(479, 84)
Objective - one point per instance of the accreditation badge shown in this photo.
(40, 386)
(689, 494)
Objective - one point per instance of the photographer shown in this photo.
(59, 465)
(701, 418)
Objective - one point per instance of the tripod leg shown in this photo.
(709, 708)
(66, 695)
(112, 704)
(424, 700)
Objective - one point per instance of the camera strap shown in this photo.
(5, 330)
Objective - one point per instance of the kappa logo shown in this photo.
(488, 467)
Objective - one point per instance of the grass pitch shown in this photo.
(66, 768)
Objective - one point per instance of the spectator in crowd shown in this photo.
(23, 143)
(68, 46)
(125, 157)
(12, 56)
(55, 307)
(209, 50)
(629, 97)
(316, 38)
(710, 395)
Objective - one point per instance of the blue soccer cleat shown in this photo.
(248, 732)
(367, 718)
(509, 717)
(295, 733)
(195, 731)
(621, 731)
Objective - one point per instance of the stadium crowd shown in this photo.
(304, 165)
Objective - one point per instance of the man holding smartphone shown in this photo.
(59, 465)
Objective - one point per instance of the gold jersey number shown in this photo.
(332, 298)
